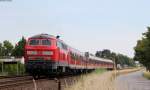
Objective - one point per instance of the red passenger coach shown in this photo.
(46, 54)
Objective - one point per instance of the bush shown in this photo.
(12, 69)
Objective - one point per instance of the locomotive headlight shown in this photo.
(47, 53)
(31, 52)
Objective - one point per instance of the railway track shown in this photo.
(8, 82)
(22, 82)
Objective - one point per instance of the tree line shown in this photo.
(8, 49)
(142, 49)
(119, 59)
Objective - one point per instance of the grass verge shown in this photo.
(97, 80)
(126, 71)
(146, 75)
(100, 71)
(100, 79)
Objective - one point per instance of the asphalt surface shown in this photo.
(132, 81)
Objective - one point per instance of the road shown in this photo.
(132, 81)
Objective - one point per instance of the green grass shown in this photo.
(146, 75)
(99, 71)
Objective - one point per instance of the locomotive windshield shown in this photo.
(46, 42)
(39, 42)
(34, 42)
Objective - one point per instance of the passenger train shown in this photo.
(46, 54)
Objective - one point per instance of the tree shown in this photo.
(7, 48)
(19, 48)
(142, 50)
(121, 59)
(1, 48)
(104, 54)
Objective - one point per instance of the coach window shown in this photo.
(72, 55)
(77, 57)
(46, 42)
(81, 58)
(64, 46)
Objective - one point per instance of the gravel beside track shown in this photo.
(28, 83)
(9, 82)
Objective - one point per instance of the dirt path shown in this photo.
(132, 81)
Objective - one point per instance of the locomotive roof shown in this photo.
(43, 36)
(100, 59)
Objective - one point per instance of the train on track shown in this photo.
(46, 54)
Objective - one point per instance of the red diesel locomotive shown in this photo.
(46, 54)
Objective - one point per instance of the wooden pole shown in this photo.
(2, 67)
(59, 83)
(115, 68)
(17, 68)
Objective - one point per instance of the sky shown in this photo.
(87, 25)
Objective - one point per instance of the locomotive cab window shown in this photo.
(46, 42)
(59, 45)
(34, 42)
(62, 45)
